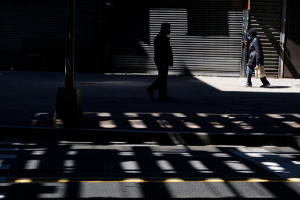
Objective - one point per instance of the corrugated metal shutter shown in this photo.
(265, 17)
(86, 35)
(205, 36)
(33, 34)
(29, 30)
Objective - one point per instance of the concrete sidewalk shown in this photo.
(119, 103)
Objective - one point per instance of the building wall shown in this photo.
(292, 43)
(33, 34)
(117, 36)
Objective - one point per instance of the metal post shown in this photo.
(244, 38)
(70, 46)
(282, 39)
(68, 101)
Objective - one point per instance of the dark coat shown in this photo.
(256, 55)
(162, 50)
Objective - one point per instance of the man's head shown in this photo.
(251, 34)
(165, 28)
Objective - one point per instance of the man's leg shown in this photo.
(154, 85)
(249, 76)
(162, 79)
(265, 82)
(159, 83)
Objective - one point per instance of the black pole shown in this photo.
(244, 38)
(68, 101)
(70, 46)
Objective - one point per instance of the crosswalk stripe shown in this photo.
(271, 162)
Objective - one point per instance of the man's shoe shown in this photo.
(150, 92)
(248, 86)
(265, 85)
(165, 97)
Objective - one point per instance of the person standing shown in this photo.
(163, 58)
(256, 60)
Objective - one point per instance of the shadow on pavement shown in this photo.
(118, 106)
(72, 170)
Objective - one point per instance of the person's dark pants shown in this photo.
(249, 72)
(161, 81)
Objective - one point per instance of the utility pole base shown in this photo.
(68, 105)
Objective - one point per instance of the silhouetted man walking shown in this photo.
(163, 58)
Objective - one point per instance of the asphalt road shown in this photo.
(70, 169)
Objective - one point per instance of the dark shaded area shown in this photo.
(163, 138)
(201, 108)
(36, 30)
(94, 163)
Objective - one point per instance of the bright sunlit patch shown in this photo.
(221, 155)
(32, 164)
(257, 180)
(292, 124)
(296, 162)
(165, 166)
(129, 153)
(296, 115)
(202, 114)
(255, 155)
(63, 181)
(229, 133)
(217, 125)
(174, 180)
(247, 127)
(217, 180)
(107, 124)
(38, 152)
(134, 181)
(39, 114)
(130, 165)
(23, 181)
(293, 179)
(191, 125)
(103, 114)
(275, 116)
(137, 124)
(180, 115)
(273, 166)
(155, 114)
(237, 166)
(131, 114)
